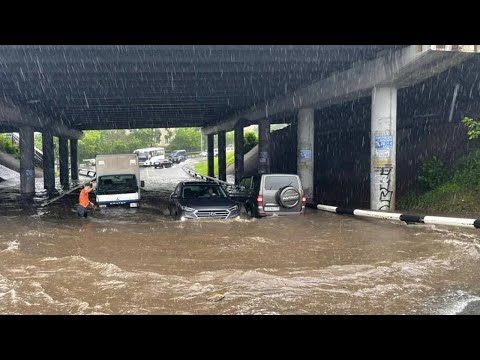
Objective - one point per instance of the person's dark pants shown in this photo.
(82, 211)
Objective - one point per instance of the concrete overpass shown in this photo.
(62, 90)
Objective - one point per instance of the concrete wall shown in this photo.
(425, 127)
(342, 154)
(283, 148)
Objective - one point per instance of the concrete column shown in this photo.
(239, 148)
(222, 156)
(383, 148)
(210, 155)
(74, 158)
(264, 146)
(305, 146)
(48, 162)
(27, 166)
(63, 153)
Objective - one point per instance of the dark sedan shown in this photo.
(163, 163)
(201, 200)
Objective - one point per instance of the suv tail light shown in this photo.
(260, 199)
(304, 199)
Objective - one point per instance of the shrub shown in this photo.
(8, 147)
(250, 141)
(432, 174)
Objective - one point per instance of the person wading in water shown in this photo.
(84, 201)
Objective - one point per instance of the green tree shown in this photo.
(89, 146)
(186, 139)
(473, 128)
(230, 138)
(250, 139)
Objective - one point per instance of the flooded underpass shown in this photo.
(140, 261)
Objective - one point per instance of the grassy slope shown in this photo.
(202, 166)
(459, 196)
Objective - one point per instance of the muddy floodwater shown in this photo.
(140, 261)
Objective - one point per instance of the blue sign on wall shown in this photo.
(383, 142)
(305, 154)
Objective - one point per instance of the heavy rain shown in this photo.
(391, 129)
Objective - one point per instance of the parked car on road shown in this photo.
(201, 200)
(163, 163)
(270, 194)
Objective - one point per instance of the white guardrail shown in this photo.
(439, 220)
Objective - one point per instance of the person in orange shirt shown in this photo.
(84, 201)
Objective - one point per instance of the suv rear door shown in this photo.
(272, 186)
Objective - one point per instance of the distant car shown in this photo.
(204, 153)
(163, 163)
(270, 194)
(178, 156)
(230, 148)
(90, 162)
(201, 200)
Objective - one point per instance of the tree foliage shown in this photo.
(186, 139)
(250, 141)
(230, 138)
(115, 141)
(7, 145)
(473, 128)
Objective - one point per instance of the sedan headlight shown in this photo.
(233, 208)
(186, 208)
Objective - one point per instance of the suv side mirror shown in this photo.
(242, 188)
(142, 183)
(174, 196)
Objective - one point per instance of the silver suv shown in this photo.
(270, 194)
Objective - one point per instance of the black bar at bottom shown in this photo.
(411, 218)
(340, 210)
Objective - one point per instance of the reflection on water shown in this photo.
(140, 261)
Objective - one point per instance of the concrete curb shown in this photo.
(439, 220)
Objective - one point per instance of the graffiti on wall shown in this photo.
(386, 190)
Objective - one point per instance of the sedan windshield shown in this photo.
(206, 191)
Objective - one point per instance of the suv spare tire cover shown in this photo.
(288, 197)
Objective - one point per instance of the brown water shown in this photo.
(140, 261)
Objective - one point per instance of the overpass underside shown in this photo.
(378, 81)
(62, 90)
